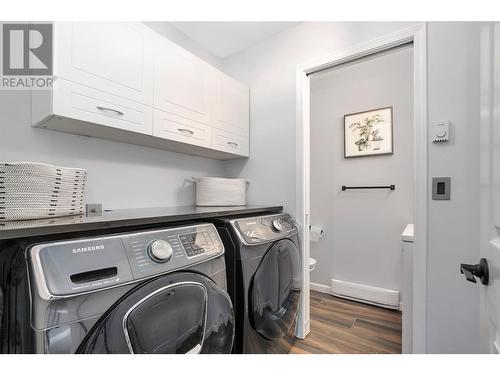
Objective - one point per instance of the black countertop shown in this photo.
(123, 218)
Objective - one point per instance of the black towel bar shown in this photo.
(391, 187)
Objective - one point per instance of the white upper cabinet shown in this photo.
(182, 83)
(231, 105)
(125, 82)
(114, 57)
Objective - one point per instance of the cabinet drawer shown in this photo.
(90, 105)
(169, 126)
(229, 142)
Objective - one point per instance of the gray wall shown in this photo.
(120, 175)
(362, 241)
(269, 69)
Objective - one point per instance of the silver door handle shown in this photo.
(105, 109)
(230, 143)
(182, 130)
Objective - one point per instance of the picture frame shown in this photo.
(369, 133)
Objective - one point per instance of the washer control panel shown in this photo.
(71, 267)
(157, 252)
(265, 228)
(199, 243)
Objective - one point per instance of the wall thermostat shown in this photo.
(441, 132)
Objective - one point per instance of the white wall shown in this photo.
(178, 37)
(119, 175)
(269, 69)
(453, 86)
(362, 241)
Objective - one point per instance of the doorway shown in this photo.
(362, 141)
(415, 36)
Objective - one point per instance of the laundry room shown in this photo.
(249, 182)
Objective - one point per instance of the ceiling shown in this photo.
(226, 38)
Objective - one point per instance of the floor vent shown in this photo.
(366, 293)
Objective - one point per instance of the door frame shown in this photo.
(490, 31)
(417, 35)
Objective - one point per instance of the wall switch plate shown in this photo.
(441, 188)
(93, 209)
(441, 132)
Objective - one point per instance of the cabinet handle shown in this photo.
(231, 143)
(104, 109)
(182, 130)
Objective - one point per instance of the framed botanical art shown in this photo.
(368, 133)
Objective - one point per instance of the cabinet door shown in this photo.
(231, 107)
(181, 83)
(113, 57)
(83, 103)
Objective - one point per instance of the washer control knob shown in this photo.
(277, 225)
(160, 251)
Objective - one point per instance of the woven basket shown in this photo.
(216, 191)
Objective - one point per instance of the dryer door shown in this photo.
(174, 314)
(275, 290)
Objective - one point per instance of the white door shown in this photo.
(490, 186)
(182, 83)
(114, 57)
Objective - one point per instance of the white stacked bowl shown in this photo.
(38, 191)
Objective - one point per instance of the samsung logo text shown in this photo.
(87, 249)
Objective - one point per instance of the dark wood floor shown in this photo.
(341, 326)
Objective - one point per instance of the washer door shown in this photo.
(173, 314)
(275, 290)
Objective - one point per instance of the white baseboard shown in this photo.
(361, 293)
(367, 293)
(321, 288)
